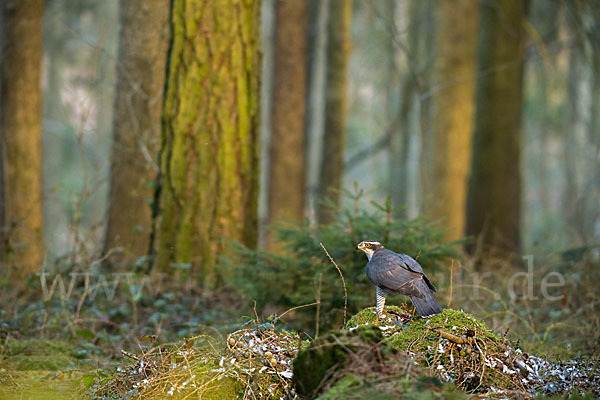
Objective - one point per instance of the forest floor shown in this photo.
(258, 356)
(87, 346)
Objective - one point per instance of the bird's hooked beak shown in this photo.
(359, 246)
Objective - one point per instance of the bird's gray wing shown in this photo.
(410, 263)
(414, 265)
(387, 271)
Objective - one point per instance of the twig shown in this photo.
(297, 307)
(451, 274)
(318, 299)
(343, 281)
(255, 314)
(127, 354)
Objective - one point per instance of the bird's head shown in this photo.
(369, 247)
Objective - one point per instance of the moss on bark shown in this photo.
(209, 152)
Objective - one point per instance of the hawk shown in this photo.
(394, 273)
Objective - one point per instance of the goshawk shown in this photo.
(395, 273)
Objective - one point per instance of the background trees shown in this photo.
(386, 94)
(372, 115)
(21, 235)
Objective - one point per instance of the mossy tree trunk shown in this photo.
(287, 167)
(209, 152)
(334, 141)
(445, 182)
(21, 244)
(494, 193)
(143, 46)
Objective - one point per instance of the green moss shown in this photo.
(368, 316)
(422, 338)
(209, 163)
(35, 354)
(224, 389)
(42, 385)
(422, 333)
(342, 388)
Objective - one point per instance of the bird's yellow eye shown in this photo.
(367, 245)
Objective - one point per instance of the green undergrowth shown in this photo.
(300, 266)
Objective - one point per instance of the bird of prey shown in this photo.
(394, 273)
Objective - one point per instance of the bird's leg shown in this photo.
(380, 303)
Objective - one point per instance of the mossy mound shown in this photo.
(453, 345)
(420, 334)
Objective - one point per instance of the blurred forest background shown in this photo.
(170, 136)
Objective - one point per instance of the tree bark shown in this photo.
(494, 193)
(143, 46)
(287, 169)
(399, 148)
(445, 186)
(22, 245)
(209, 151)
(315, 103)
(334, 141)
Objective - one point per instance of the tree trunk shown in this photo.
(143, 46)
(22, 246)
(593, 218)
(445, 186)
(402, 179)
(54, 153)
(209, 153)
(494, 193)
(287, 169)
(315, 103)
(334, 141)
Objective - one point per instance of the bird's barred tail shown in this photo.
(427, 306)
